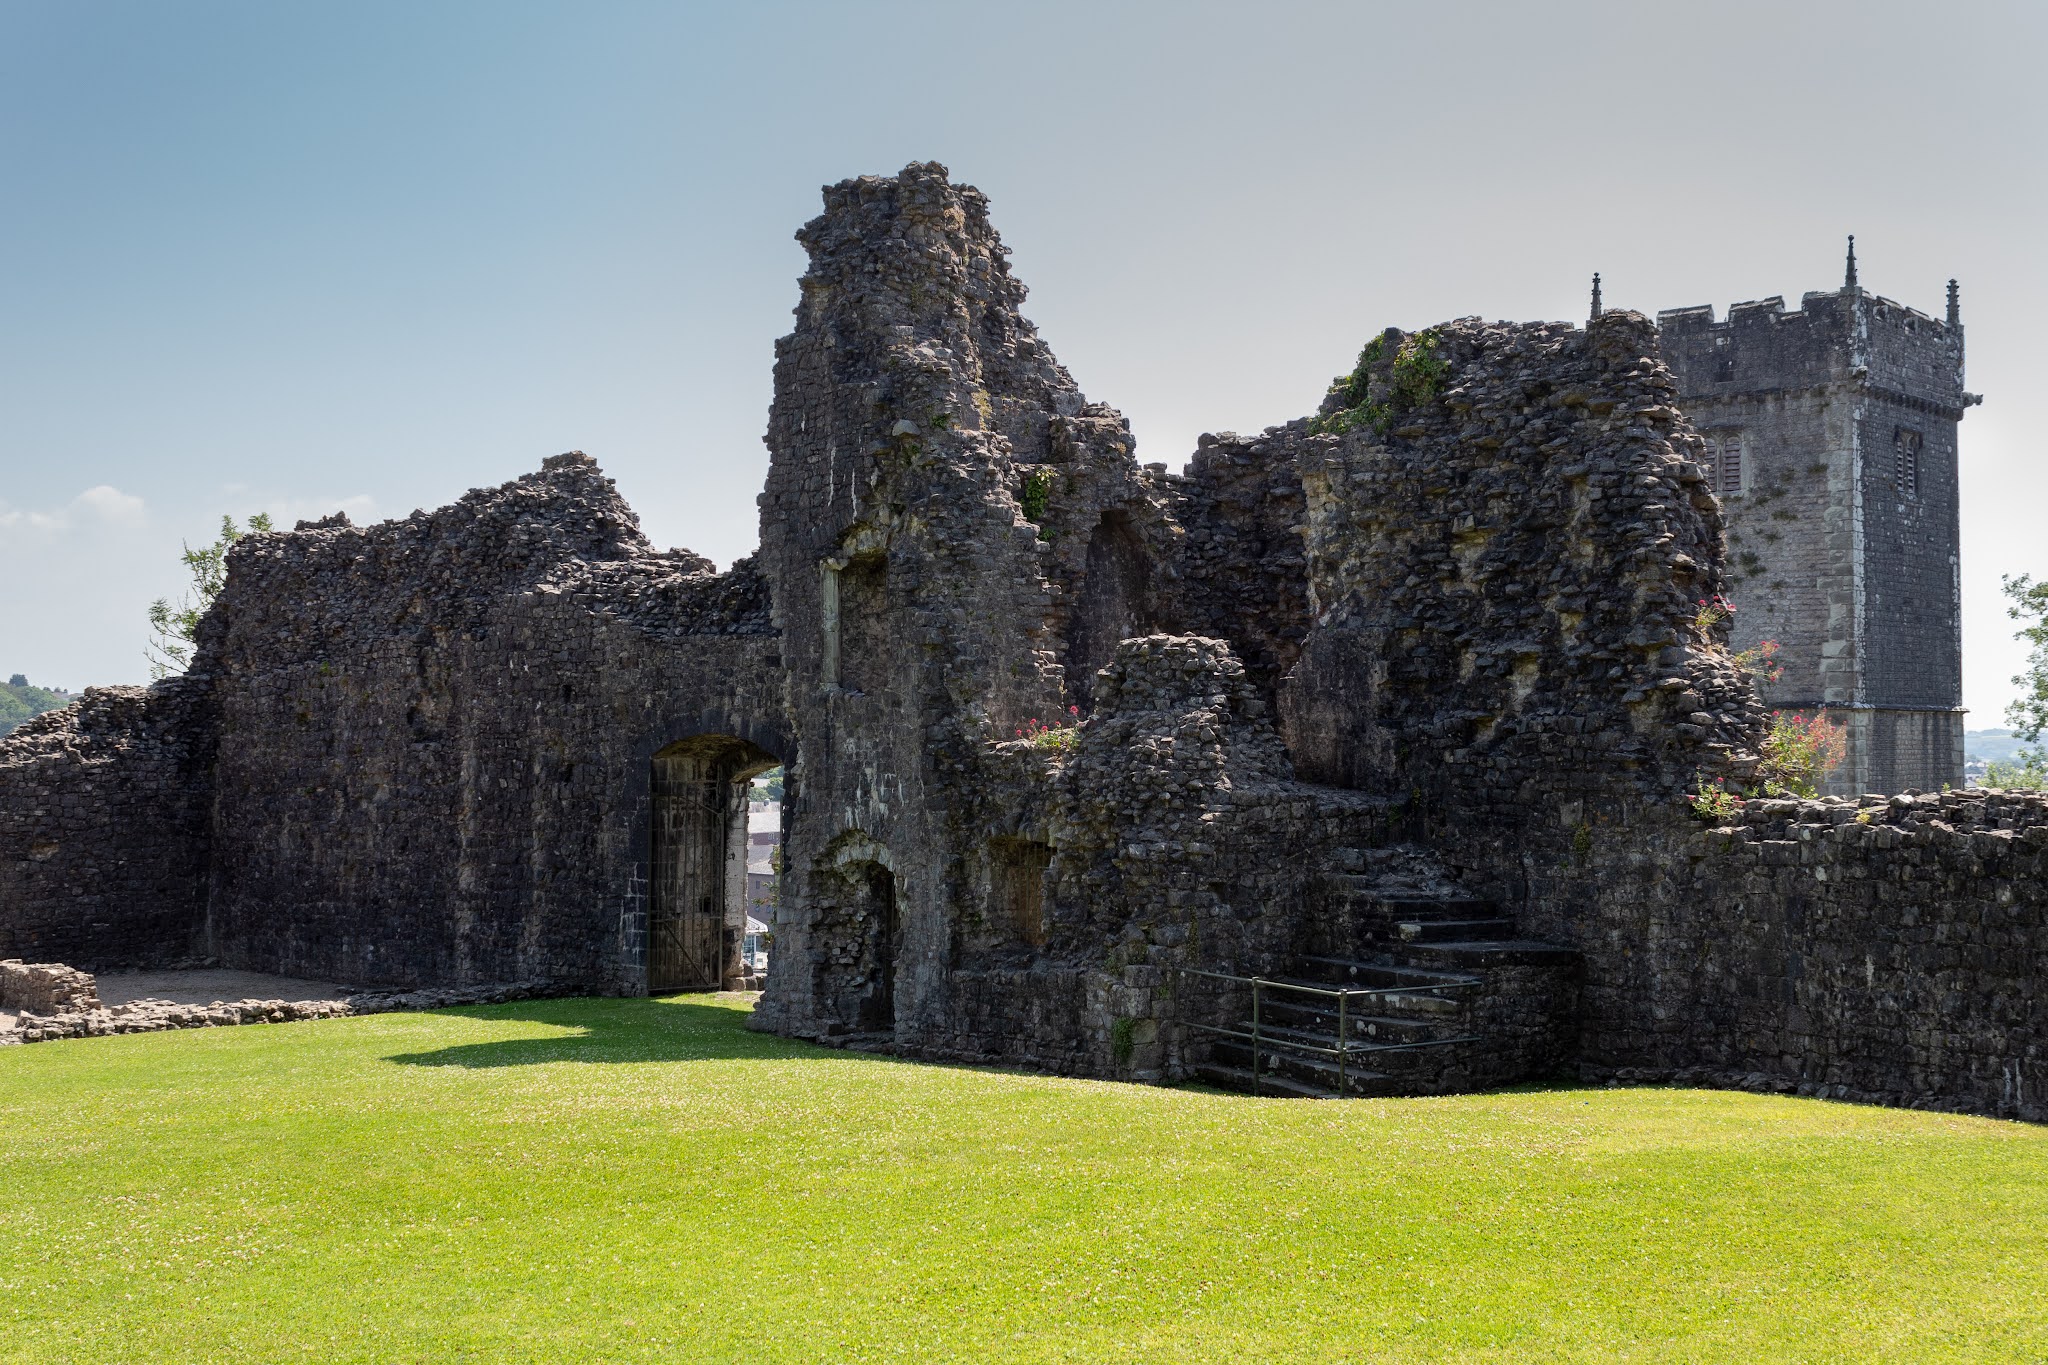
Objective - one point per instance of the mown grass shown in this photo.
(643, 1180)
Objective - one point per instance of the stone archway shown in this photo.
(857, 928)
(697, 862)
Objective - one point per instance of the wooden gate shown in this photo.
(693, 800)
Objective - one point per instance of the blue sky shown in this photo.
(295, 257)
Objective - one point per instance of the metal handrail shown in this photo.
(1452, 984)
(1342, 995)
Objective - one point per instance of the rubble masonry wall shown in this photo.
(437, 734)
(104, 828)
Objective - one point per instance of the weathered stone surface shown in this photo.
(417, 752)
(45, 987)
(1881, 949)
(104, 827)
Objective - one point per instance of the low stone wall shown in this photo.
(45, 987)
(158, 1016)
(1891, 950)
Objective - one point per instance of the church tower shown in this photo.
(1832, 442)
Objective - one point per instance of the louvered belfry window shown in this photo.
(1906, 461)
(1724, 462)
(1728, 476)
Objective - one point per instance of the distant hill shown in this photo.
(19, 700)
(1992, 746)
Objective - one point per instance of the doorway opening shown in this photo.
(876, 992)
(856, 936)
(697, 863)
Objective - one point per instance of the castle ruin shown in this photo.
(1353, 760)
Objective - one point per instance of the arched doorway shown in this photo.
(856, 927)
(697, 862)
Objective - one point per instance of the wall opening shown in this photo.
(855, 599)
(697, 863)
(1906, 444)
(1113, 604)
(1724, 463)
(884, 934)
(1017, 890)
(856, 936)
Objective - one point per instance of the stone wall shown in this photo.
(1243, 563)
(1882, 949)
(1504, 575)
(46, 987)
(438, 734)
(103, 827)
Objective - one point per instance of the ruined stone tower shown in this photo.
(1831, 440)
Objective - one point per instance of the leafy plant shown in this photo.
(2029, 715)
(1799, 753)
(1058, 734)
(1713, 802)
(2027, 769)
(1123, 1040)
(1034, 492)
(1759, 661)
(1415, 376)
(1711, 614)
(175, 628)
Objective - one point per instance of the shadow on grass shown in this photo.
(618, 1030)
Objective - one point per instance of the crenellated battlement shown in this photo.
(1815, 307)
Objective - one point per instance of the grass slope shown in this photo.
(643, 1180)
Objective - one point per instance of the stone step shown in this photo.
(1419, 1005)
(1453, 930)
(1380, 1026)
(1408, 1006)
(1362, 1074)
(1479, 954)
(1281, 1035)
(1381, 973)
(1226, 1077)
(1368, 895)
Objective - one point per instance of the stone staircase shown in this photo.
(1440, 995)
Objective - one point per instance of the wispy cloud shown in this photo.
(110, 504)
(101, 505)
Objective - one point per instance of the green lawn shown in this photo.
(643, 1180)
